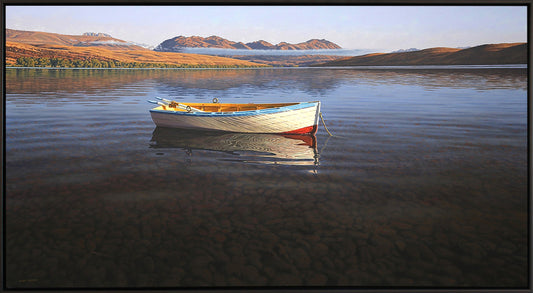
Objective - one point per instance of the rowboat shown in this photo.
(280, 118)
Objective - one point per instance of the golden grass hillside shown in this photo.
(506, 53)
(40, 38)
(16, 50)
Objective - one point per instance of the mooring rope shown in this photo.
(324, 123)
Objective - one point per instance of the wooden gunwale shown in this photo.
(225, 107)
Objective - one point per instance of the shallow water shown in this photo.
(423, 185)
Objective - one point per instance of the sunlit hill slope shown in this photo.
(103, 48)
(86, 40)
(506, 53)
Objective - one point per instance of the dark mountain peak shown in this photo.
(260, 45)
(320, 44)
(214, 38)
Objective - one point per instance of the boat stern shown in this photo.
(311, 129)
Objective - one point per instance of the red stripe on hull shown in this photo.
(308, 140)
(305, 130)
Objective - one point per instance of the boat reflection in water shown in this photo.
(281, 149)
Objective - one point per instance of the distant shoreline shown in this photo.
(465, 66)
(503, 53)
(377, 67)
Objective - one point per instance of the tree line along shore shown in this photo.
(97, 63)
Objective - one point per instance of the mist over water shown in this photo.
(233, 52)
(423, 185)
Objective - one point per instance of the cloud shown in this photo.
(364, 27)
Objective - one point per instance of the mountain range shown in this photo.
(180, 42)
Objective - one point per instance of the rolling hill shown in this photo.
(17, 50)
(505, 53)
(86, 40)
(102, 47)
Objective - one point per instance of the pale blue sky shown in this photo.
(380, 28)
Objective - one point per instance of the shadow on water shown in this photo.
(293, 150)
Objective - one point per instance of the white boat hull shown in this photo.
(300, 118)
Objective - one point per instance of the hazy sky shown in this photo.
(384, 28)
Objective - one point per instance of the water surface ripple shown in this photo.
(423, 185)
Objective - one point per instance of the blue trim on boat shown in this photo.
(298, 106)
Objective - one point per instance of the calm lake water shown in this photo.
(423, 185)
